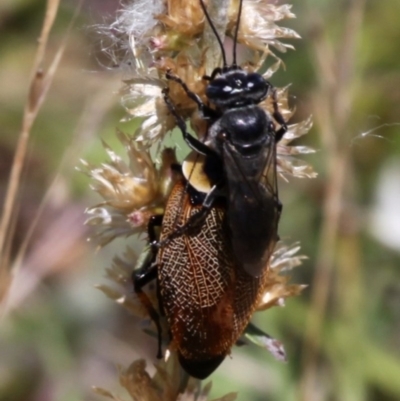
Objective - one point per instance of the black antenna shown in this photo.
(215, 32)
(236, 32)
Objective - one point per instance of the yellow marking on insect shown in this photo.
(192, 169)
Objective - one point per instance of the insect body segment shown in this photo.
(195, 274)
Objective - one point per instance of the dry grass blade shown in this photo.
(36, 95)
(40, 83)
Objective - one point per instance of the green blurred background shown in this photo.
(59, 335)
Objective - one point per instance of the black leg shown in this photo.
(177, 168)
(154, 221)
(140, 279)
(147, 272)
(278, 117)
(196, 98)
(194, 143)
(207, 112)
(195, 221)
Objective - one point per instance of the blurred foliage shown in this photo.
(61, 336)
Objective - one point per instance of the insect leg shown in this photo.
(196, 98)
(155, 221)
(196, 220)
(206, 111)
(193, 142)
(278, 117)
(144, 274)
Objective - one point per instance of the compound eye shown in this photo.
(256, 83)
(255, 78)
(218, 89)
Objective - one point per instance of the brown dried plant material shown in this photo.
(141, 387)
(259, 30)
(132, 192)
(183, 17)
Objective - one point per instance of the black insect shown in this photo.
(211, 259)
(240, 152)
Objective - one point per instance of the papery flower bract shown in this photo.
(132, 192)
(183, 17)
(125, 186)
(258, 30)
(277, 288)
(286, 163)
(108, 224)
(142, 98)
